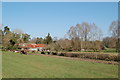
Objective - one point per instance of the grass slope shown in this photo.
(16, 65)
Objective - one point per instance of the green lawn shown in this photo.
(16, 65)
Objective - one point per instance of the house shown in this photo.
(36, 47)
(32, 47)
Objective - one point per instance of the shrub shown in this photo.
(75, 55)
(68, 54)
(81, 55)
(42, 52)
(54, 53)
(100, 56)
(48, 53)
(114, 57)
(62, 54)
(103, 56)
(90, 55)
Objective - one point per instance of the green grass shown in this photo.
(108, 50)
(16, 65)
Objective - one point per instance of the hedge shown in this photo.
(99, 56)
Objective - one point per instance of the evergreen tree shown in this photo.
(39, 40)
(48, 39)
(6, 30)
(25, 37)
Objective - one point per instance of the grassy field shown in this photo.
(16, 65)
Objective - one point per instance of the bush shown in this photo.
(68, 54)
(75, 55)
(42, 52)
(81, 55)
(61, 54)
(90, 55)
(54, 53)
(114, 57)
(100, 56)
(48, 53)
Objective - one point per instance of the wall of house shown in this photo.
(33, 49)
(36, 49)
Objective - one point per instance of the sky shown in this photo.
(60, 0)
(40, 18)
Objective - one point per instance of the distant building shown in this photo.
(32, 47)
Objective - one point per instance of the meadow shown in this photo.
(16, 65)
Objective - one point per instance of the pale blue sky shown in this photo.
(38, 18)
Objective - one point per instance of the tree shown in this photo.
(114, 30)
(54, 46)
(6, 30)
(33, 40)
(6, 36)
(6, 40)
(81, 34)
(55, 39)
(109, 42)
(48, 39)
(85, 33)
(72, 33)
(39, 40)
(25, 37)
(10, 39)
(1, 36)
(76, 44)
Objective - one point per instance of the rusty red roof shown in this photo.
(32, 45)
(35, 45)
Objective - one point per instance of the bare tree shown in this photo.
(113, 29)
(72, 32)
(85, 32)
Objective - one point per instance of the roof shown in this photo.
(36, 45)
(31, 45)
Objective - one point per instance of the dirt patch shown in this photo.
(82, 59)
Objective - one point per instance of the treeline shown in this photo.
(39, 40)
(82, 37)
(9, 40)
(87, 37)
